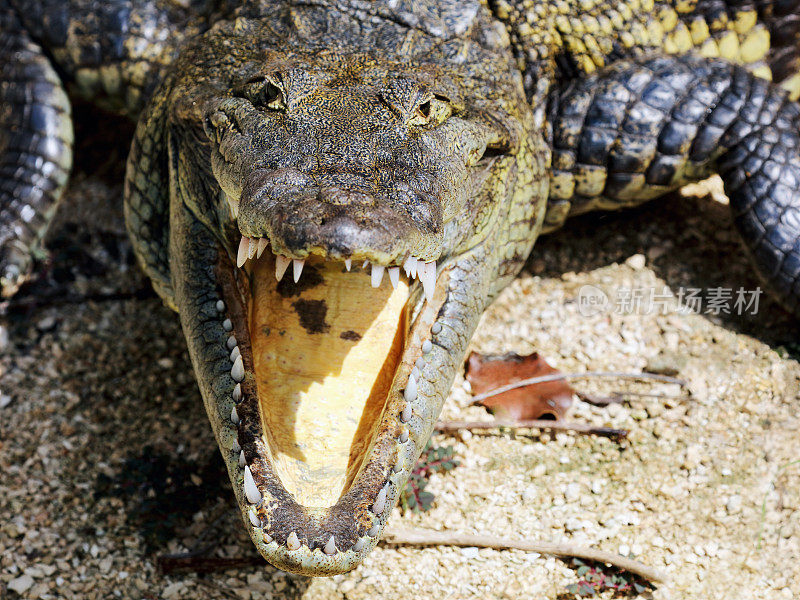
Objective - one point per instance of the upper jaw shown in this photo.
(302, 217)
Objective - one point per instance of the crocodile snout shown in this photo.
(338, 217)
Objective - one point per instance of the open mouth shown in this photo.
(328, 403)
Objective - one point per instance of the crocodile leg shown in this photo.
(640, 129)
(35, 148)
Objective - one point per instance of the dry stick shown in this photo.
(419, 537)
(618, 397)
(608, 432)
(173, 563)
(587, 375)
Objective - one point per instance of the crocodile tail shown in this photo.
(761, 172)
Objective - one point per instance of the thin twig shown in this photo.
(586, 375)
(173, 563)
(533, 424)
(619, 395)
(419, 537)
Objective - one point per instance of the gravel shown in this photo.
(108, 461)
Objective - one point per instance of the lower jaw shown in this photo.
(334, 535)
(301, 521)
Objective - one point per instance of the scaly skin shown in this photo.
(448, 134)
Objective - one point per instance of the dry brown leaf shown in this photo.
(550, 399)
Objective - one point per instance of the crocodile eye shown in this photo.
(435, 110)
(271, 96)
(262, 92)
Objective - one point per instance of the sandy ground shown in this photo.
(108, 460)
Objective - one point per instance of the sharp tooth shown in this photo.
(365, 265)
(252, 248)
(330, 547)
(427, 275)
(377, 275)
(348, 262)
(374, 530)
(380, 501)
(237, 371)
(236, 448)
(410, 393)
(236, 394)
(254, 520)
(410, 267)
(234, 416)
(235, 353)
(394, 276)
(359, 545)
(281, 264)
(405, 416)
(241, 256)
(297, 268)
(262, 245)
(250, 488)
(292, 542)
(242, 460)
(231, 343)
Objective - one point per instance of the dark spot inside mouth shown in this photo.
(312, 315)
(350, 335)
(308, 280)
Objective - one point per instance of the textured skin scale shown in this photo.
(537, 111)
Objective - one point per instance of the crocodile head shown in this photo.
(338, 221)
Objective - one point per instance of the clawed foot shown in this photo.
(16, 265)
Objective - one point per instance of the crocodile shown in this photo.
(290, 156)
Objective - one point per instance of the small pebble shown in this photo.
(21, 584)
(46, 323)
(733, 504)
(572, 492)
(529, 494)
(636, 262)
